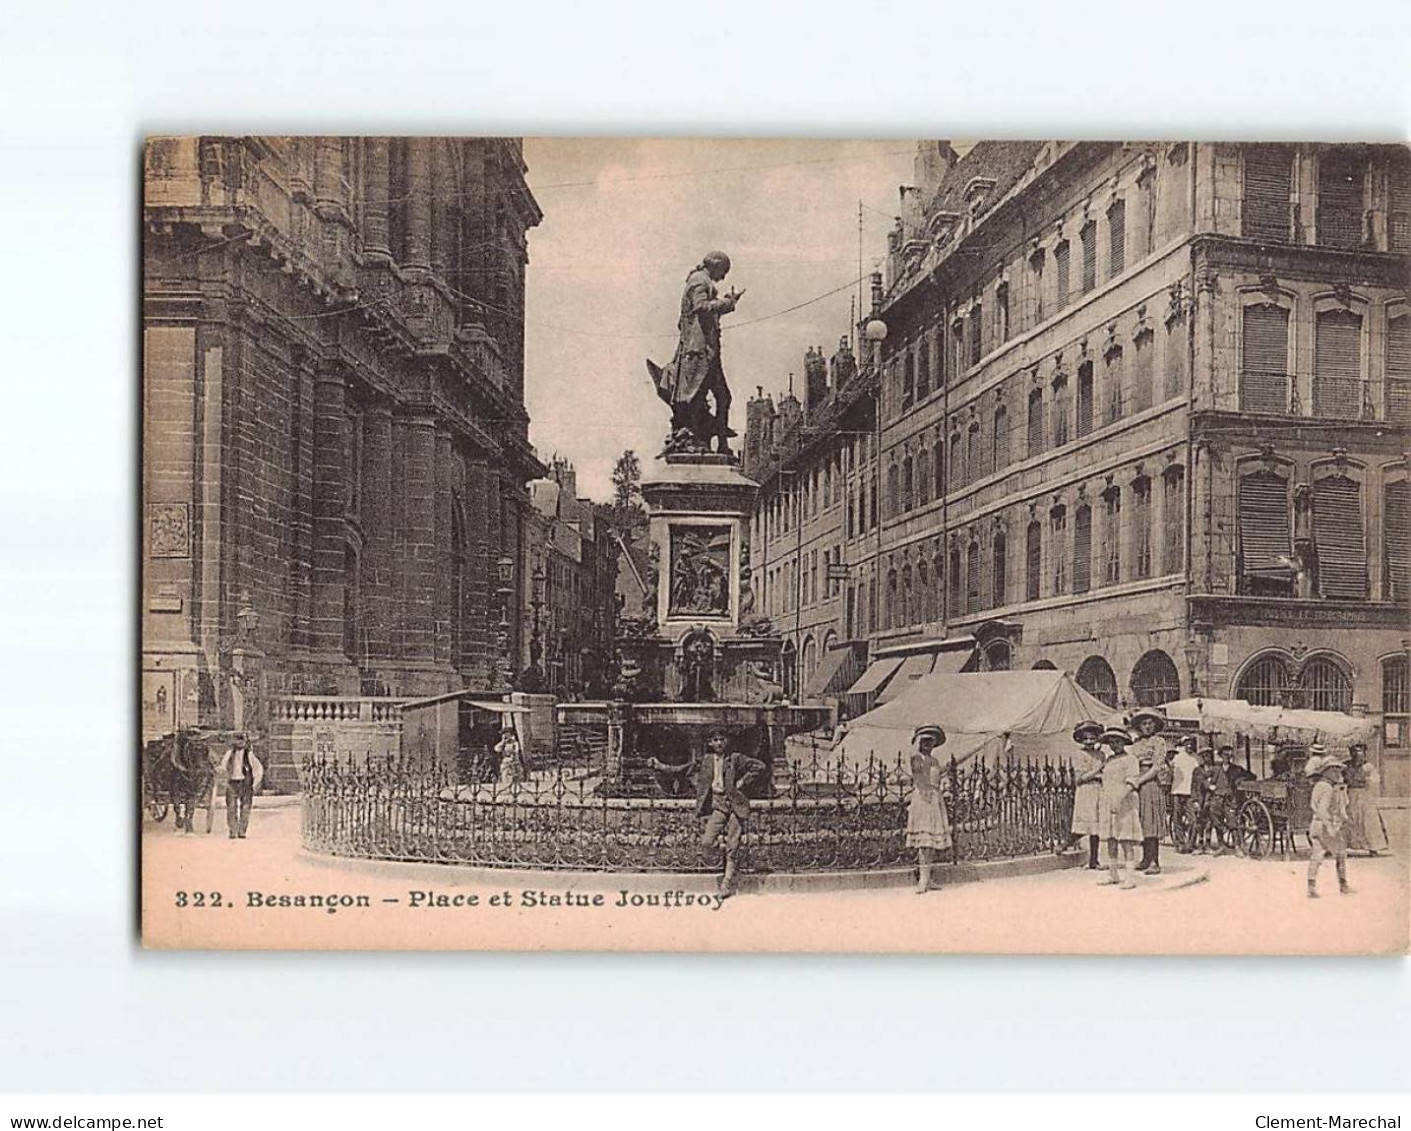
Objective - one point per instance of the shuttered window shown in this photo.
(1060, 412)
(1036, 422)
(1264, 526)
(1141, 528)
(1088, 237)
(923, 368)
(1002, 313)
(1399, 187)
(1337, 367)
(1340, 177)
(1264, 382)
(1117, 239)
(1175, 356)
(972, 578)
(1142, 393)
(1173, 521)
(1033, 561)
(1082, 550)
(1268, 182)
(954, 587)
(1116, 403)
(1396, 537)
(999, 566)
(1060, 264)
(1058, 549)
(1085, 398)
(977, 321)
(1112, 537)
(1000, 439)
(1340, 537)
(1398, 369)
(974, 458)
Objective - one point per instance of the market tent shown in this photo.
(985, 714)
(1271, 724)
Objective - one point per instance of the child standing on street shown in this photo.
(927, 822)
(1087, 790)
(1328, 830)
(1120, 822)
(1152, 785)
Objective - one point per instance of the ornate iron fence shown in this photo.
(817, 816)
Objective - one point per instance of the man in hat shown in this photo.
(1183, 769)
(1087, 790)
(721, 781)
(1202, 791)
(243, 774)
(1224, 799)
(1328, 829)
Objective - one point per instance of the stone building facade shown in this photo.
(1144, 417)
(335, 440)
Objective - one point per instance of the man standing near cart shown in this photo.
(243, 774)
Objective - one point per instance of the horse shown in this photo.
(179, 766)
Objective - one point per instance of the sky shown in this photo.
(625, 220)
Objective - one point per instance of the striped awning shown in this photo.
(835, 673)
(876, 676)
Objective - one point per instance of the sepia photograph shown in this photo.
(638, 544)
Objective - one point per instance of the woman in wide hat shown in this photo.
(1118, 817)
(1087, 790)
(1365, 830)
(927, 823)
(1153, 783)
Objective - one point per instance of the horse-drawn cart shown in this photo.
(1274, 810)
(178, 774)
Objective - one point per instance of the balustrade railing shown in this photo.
(335, 709)
(813, 815)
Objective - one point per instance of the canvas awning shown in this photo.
(912, 668)
(835, 673)
(952, 663)
(876, 676)
(1271, 724)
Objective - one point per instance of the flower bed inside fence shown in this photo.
(816, 818)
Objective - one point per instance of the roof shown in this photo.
(1003, 162)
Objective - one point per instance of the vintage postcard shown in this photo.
(667, 544)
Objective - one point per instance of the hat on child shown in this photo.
(1116, 734)
(1149, 713)
(929, 730)
(1087, 729)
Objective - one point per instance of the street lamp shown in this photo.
(1192, 652)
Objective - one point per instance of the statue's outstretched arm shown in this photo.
(702, 303)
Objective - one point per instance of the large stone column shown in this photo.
(379, 530)
(419, 202)
(375, 175)
(416, 564)
(329, 497)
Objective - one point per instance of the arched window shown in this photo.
(1082, 549)
(1044, 666)
(1326, 686)
(1155, 680)
(1264, 683)
(1337, 365)
(998, 569)
(999, 441)
(810, 657)
(1340, 537)
(788, 663)
(1096, 678)
(999, 656)
(1033, 560)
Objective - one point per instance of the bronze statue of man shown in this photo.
(696, 371)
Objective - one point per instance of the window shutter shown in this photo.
(1085, 398)
(1001, 438)
(1398, 369)
(1268, 174)
(1337, 528)
(1060, 261)
(1117, 235)
(1142, 394)
(1396, 523)
(1264, 524)
(1264, 377)
(1399, 223)
(1033, 561)
(1337, 378)
(998, 569)
(1082, 550)
(1089, 238)
(1036, 423)
(1339, 199)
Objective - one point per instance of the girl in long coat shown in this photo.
(1087, 791)
(1364, 820)
(927, 823)
(1118, 816)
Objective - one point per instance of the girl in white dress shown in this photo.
(927, 823)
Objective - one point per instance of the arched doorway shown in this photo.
(1155, 680)
(999, 656)
(1265, 681)
(810, 658)
(1096, 677)
(789, 670)
(1326, 685)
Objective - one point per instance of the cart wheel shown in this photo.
(1256, 829)
(157, 810)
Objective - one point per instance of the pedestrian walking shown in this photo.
(1328, 829)
(1183, 768)
(1365, 830)
(1087, 791)
(243, 774)
(1119, 820)
(927, 822)
(720, 798)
